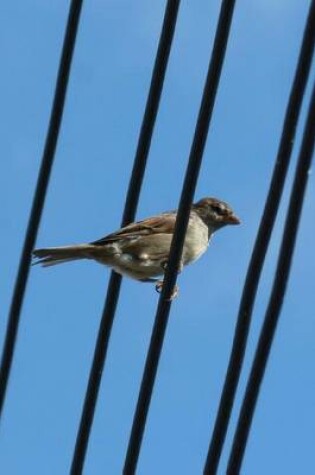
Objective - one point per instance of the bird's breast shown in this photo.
(196, 241)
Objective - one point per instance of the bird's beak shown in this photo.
(232, 219)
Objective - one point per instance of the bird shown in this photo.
(140, 250)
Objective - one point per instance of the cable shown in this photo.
(261, 245)
(277, 293)
(39, 196)
(132, 199)
(191, 177)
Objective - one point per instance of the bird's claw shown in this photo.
(174, 294)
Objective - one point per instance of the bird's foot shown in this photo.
(159, 287)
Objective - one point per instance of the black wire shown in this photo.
(277, 293)
(132, 199)
(39, 196)
(261, 245)
(190, 182)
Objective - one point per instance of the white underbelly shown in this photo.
(138, 269)
(196, 244)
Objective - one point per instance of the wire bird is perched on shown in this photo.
(140, 250)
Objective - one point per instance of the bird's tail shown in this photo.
(57, 255)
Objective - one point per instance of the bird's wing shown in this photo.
(162, 224)
(153, 247)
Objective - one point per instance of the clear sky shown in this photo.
(109, 83)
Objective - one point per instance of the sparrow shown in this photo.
(140, 250)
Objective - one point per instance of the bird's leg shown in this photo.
(159, 284)
(159, 287)
(164, 265)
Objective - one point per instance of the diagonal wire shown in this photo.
(132, 199)
(277, 294)
(39, 196)
(261, 245)
(190, 182)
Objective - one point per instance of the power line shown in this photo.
(39, 195)
(132, 199)
(190, 182)
(261, 245)
(277, 293)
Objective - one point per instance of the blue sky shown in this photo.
(109, 82)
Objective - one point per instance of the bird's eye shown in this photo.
(218, 209)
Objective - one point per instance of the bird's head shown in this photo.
(215, 213)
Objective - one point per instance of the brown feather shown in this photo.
(163, 224)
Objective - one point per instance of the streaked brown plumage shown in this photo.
(140, 250)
